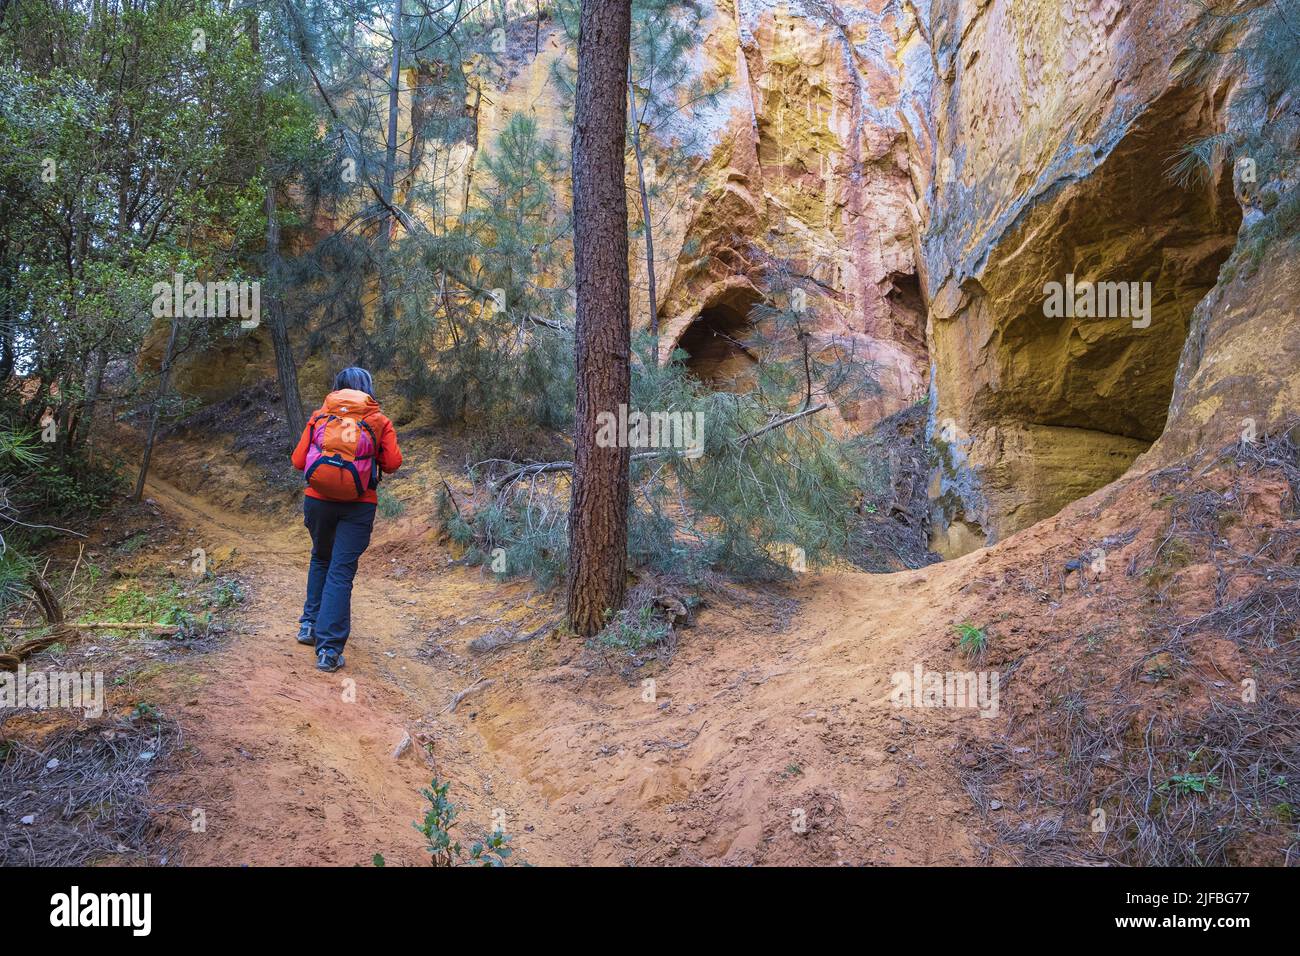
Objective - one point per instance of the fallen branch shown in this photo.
(548, 323)
(740, 345)
(528, 471)
(43, 527)
(482, 684)
(111, 625)
(130, 626)
(9, 660)
(498, 638)
(46, 598)
(451, 496)
(744, 439)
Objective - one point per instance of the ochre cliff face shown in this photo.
(1239, 375)
(1054, 125)
(801, 160)
(809, 167)
(797, 175)
(924, 170)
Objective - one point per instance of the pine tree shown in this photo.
(598, 512)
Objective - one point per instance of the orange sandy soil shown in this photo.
(755, 721)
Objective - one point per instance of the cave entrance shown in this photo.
(716, 346)
(1056, 404)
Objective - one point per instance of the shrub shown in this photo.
(444, 849)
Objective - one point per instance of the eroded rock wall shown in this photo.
(800, 170)
(1054, 124)
(810, 177)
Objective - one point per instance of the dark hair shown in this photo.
(355, 378)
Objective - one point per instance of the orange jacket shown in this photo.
(351, 402)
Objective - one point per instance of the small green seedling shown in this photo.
(971, 640)
(1185, 784)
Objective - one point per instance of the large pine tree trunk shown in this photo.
(598, 514)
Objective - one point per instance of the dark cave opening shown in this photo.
(716, 347)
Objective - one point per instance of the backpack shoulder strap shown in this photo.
(373, 437)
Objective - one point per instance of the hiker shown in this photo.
(346, 447)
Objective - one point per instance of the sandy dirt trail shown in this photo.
(763, 741)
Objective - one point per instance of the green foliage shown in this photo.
(1199, 158)
(664, 69)
(18, 449)
(1262, 42)
(167, 606)
(40, 483)
(193, 608)
(481, 327)
(70, 486)
(1186, 784)
(389, 506)
(18, 454)
(753, 496)
(493, 850)
(771, 479)
(15, 566)
(406, 282)
(633, 630)
(437, 824)
(516, 236)
(443, 848)
(144, 710)
(129, 152)
(971, 640)
(227, 593)
(667, 91)
(749, 480)
(515, 535)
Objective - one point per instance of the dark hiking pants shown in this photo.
(340, 532)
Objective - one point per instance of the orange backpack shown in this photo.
(342, 461)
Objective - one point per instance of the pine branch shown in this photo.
(541, 468)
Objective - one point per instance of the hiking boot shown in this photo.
(306, 634)
(329, 661)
